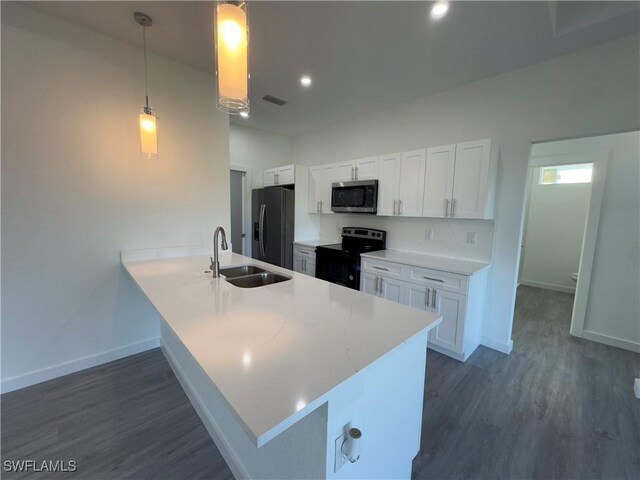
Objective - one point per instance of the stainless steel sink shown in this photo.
(257, 280)
(240, 271)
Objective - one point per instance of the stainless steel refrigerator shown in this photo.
(272, 215)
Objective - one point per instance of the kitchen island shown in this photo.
(279, 373)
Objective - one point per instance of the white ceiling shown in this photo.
(362, 56)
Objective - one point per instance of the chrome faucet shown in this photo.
(215, 264)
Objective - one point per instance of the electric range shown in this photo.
(340, 263)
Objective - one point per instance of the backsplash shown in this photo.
(410, 234)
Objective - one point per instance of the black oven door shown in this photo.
(354, 197)
(338, 267)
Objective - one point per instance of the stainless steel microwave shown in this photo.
(355, 197)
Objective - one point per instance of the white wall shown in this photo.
(613, 308)
(258, 150)
(553, 233)
(75, 190)
(590, 91)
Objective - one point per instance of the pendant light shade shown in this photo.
(148, 133)
(232, 57)
(148, 116)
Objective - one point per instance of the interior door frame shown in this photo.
(600, 160)
(246, 205)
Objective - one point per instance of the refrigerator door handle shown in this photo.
(263, 209)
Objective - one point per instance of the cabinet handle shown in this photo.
(426, 300)
(317, 206)
(394, 206)
(434, 296)
(446, 207)
(434, 279)
(377, 278)
(353, 173)
(399, 207)
(320, 206)
(276, 177)
(380, 268)
(454, 204)
(381, 285)
(356, 173)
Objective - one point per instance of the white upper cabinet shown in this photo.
(345, 171)
(361, 169)
(366, 168)
(279, 176)
(270, 177)
(473, 180)
(411, 186)
(438, 181)
(315, 189)
(286, 175)
(328, 176)
(460, 180)
(401, 186)
(389, 177)
(319, 192)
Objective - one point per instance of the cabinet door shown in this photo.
(438, 181)
(418, 297)
(369, 283)
(411, 185)
(471, 179)
(388, 184)
(345, 171)
(310, 268)
(286, 175)
(270, 177)
(367, 168)
(315, 189)
(298, 264)
(392, 289)
(452, 308)
(328, 177)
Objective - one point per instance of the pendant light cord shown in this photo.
(146, 80)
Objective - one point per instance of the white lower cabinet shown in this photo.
(304, 260)
(446, 294)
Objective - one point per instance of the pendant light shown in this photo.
(232, 57)
(148, 116)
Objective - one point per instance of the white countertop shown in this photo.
(445, 264)
(315, 242)
(274, 352)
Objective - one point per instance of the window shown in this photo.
(577, 173)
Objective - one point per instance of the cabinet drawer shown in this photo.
(303, 251)
(437, 279)
(384, 269)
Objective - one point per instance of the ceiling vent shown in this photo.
(275, 100)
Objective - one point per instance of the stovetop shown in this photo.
(358, 240)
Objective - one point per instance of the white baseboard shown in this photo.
(613, 341)
(548, 286)
(233, 462)
(497, 345)
(72, 366)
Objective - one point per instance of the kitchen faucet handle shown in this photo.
(211, 266)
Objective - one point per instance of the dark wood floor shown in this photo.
(557, 407)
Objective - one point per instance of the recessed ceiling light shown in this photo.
(244, 114)
(439, 9)
(305, 81)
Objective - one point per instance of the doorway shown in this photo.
(555, 218)
(237, 190)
